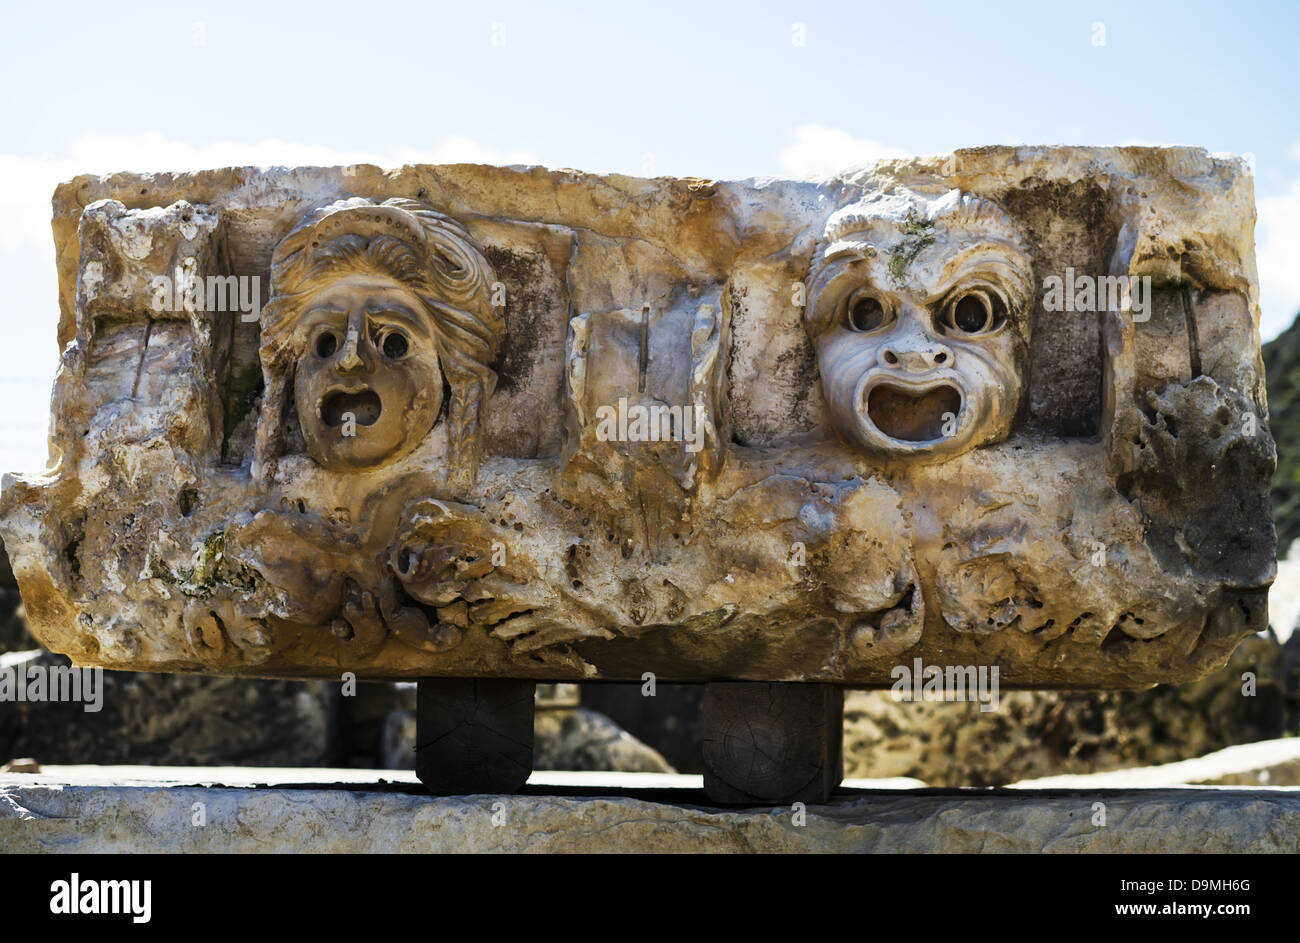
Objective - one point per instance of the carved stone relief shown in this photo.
(519, 423)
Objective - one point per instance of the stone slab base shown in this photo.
(159, 812)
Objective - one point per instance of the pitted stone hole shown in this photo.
(571, 565)
(364, 405)
(405, 559)
(1115, 638)
(189, 500)
(911, 416)
(211, 638)
(70, 554)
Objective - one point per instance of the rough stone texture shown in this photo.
(1045, 733)
(38, 817)
(178, 720)
(888, 443)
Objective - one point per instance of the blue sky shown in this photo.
(649, 89)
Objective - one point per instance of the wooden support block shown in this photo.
(473, 736)
(772, 742)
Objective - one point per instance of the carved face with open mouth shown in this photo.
(918, 321)
(368, 386)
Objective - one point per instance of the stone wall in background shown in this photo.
(1044, 733)
(179, 720)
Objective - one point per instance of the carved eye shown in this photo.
(393, 343)
(866, 313)
(326, 343)
(976, 312)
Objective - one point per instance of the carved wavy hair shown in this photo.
(429, 254)
(979, 219)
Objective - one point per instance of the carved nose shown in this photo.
(915, 354)
(349, 358)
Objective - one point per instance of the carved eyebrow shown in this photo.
(846, 250)
(991, 261)
(327, 309)
(400, 311)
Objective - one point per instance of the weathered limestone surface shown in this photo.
(888, 443)
(149, 819)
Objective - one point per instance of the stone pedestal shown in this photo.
(772, 742)
(474, 736)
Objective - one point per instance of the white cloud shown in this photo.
(819, 151)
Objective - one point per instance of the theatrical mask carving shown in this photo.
(373, 307)
(917, 310)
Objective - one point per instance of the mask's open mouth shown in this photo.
(364, 405)
(912, 415)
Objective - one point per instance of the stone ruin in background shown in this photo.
(486, 427)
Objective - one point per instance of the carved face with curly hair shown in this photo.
(917, 309)
(372, 305)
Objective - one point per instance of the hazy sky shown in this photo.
(652, 88)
